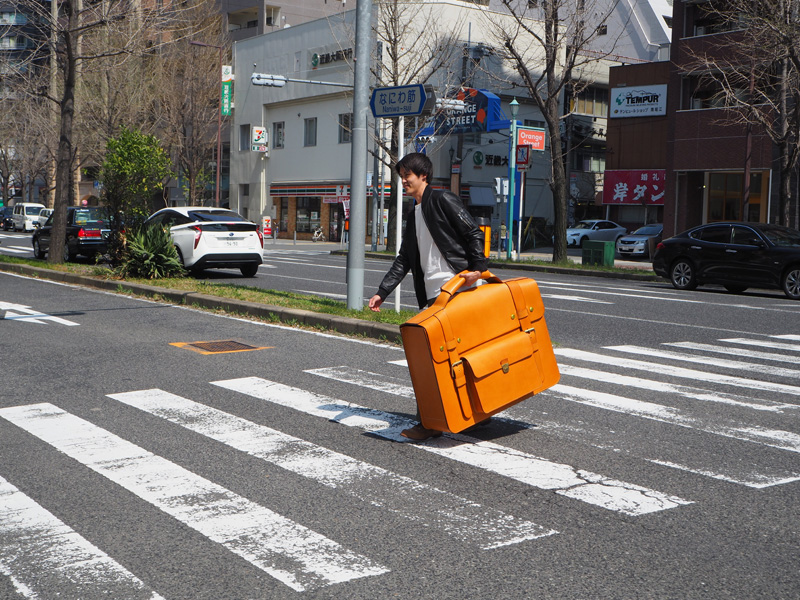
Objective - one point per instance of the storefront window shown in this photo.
(308, 214)
(724, 196)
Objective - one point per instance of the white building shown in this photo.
(303, 176)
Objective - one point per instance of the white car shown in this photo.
(212, 238)
(594, 230)
(43, 215)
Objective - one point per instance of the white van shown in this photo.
(26, 215)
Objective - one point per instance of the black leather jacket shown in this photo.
(455, 233)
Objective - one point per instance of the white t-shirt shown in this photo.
(437, 271)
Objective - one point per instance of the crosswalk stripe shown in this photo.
(294, 555)
(783, 440)
(746, 352)
(711, 361)
(564, 480)
(45, 558)
(788, 336)
(685, 391)
(678, 372)
(764, 344)
(401, 495)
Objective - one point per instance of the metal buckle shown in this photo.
(453, 367)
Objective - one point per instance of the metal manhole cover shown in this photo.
(218, 347)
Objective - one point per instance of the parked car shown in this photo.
(7, 220)
(735, 255)
(43, 215)
(87, 230)
(212, 238)
(638, 242)
(594, 230)
(25, 215)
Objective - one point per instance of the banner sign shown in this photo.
(643, 187)
(227, 89)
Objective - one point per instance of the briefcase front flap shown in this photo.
(499, 355)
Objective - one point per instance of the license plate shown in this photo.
(232, 242)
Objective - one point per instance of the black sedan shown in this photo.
(735, 255)
(8, 222)
(87, 230)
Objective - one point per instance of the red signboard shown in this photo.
(530, 137)
(643, 187)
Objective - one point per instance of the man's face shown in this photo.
(413, 184)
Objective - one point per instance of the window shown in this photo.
(244, 137)
(533, 3)
(244, 190)
(345, 128)
(310, 133)
(745, 236)
(284, 219)
(720, 234)
(307, 214)
(591, 101)
(278, 134)
(724, 196)
(602, 30)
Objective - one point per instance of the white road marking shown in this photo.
(44, 558)
(756, 481)
(575, 298)
(703, 360)
(294, 555)
(783, 440)
(682, 390)
(764, 344)
(677, 372)
(745, 352)
(18, 312)
(565, 480)
(464, 519)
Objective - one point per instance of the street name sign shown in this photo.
(399, 101)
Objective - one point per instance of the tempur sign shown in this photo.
(639, 101)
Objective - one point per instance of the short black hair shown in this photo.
(416, 163)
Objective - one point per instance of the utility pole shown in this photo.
(358, 157)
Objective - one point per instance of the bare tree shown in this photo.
(415, 49)
(187, 101)
(81, 31)
(550, 45)
(753, 70)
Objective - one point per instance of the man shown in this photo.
(440, 241)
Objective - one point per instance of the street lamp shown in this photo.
(513, 167)
(219, 118)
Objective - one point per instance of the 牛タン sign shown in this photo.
(400, 101)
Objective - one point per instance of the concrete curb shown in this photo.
(344, 325)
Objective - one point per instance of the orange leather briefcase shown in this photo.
(473, 354)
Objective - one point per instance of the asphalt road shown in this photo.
(133, 465)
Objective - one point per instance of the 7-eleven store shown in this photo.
(302, 207)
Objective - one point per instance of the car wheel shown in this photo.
(37, 250)
(682, 275)
(735, 288)
(68, 255)
(582, 241)
(791, 282)
(249, 270)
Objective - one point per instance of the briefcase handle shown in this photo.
(450, 288)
